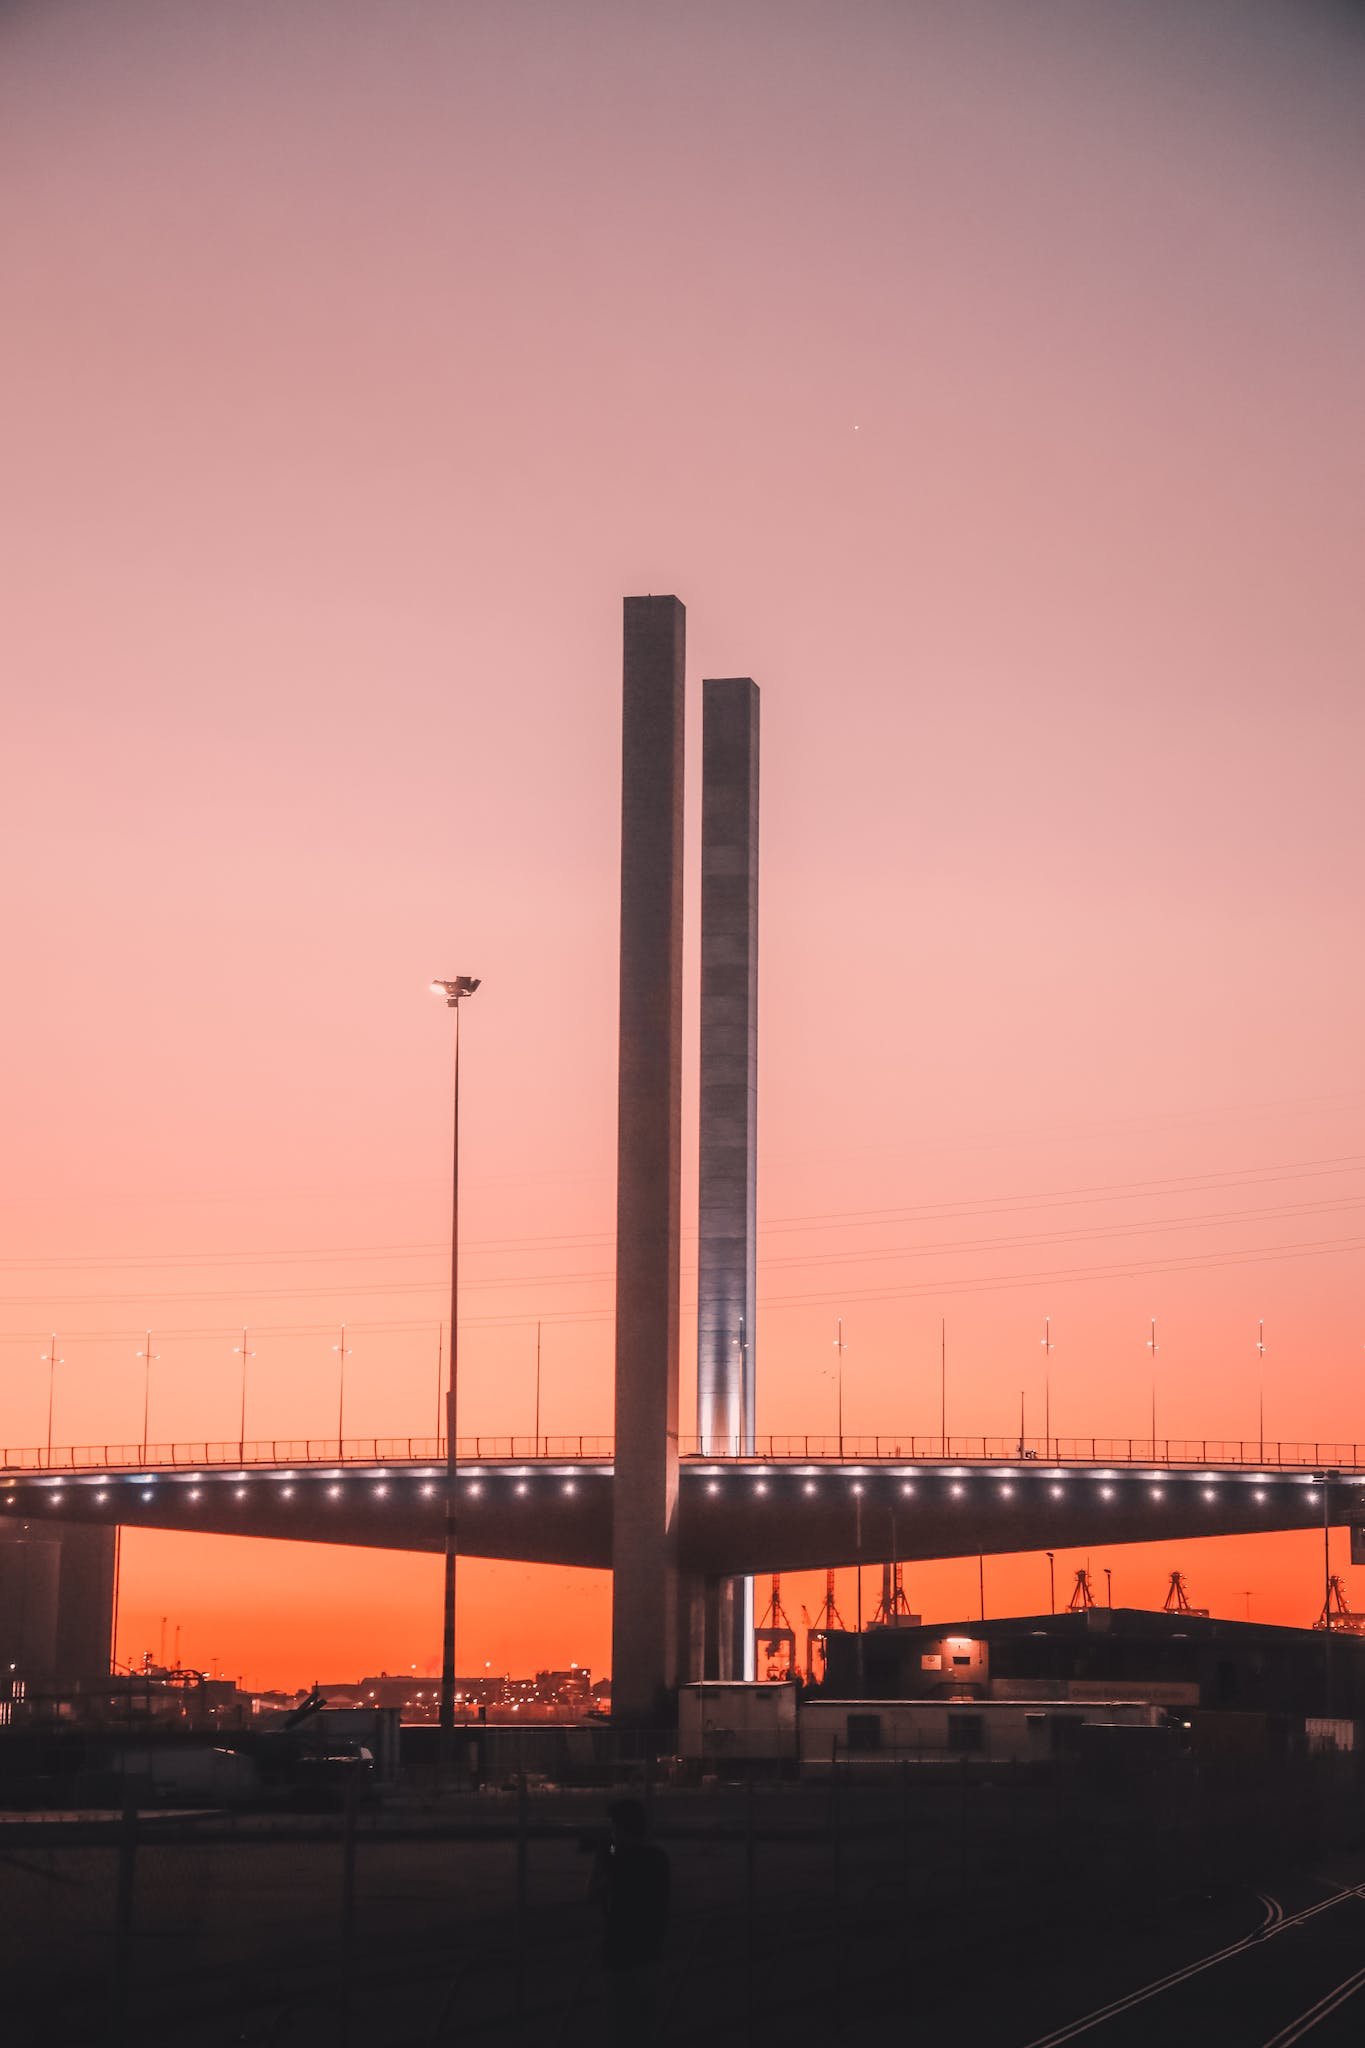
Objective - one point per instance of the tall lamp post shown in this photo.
(1153, 1347)
(51, 1361)
(343, 1351)
(241, 1351)
(149, 1359)
(454, 992)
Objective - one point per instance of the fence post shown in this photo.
(905, 1826)
(750, 1905)
(836, 1865)
(350, 1818)
(523, 1821)
(121, 1988)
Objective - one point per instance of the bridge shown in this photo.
(650, 1506)
(800, 1503)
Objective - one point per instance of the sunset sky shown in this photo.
(986, 381)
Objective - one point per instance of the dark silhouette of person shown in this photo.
(632, 1883)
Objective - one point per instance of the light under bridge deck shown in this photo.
(796, 1505)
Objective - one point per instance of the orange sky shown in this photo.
(985, 381)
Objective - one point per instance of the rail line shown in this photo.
(1323, 2008)
(1276, 1922)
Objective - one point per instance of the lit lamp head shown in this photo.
(453, 991)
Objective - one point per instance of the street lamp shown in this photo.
(241, 1351)
(454, 992)
(1153, 1347)
(343, 1351)
(149, 1358)
(51, 1361)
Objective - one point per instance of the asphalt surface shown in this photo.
(1280, 1965)
(986, 1917)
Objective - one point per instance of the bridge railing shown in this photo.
(778, 1448)
(304, 1451)
(1052, 1450)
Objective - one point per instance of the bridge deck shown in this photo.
(785, 1511)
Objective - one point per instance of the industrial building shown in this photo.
(1177, 1659)
(728, 1725)
(1114, 1685)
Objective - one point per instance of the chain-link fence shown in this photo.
(797, 1905)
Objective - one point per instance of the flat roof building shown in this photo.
(1106, 1653)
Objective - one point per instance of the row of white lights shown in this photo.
(1057, 1489)
(284, 1490)
(759, 1485)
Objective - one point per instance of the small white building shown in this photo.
(724, 1721)
(837, 1732)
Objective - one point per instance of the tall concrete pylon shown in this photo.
(728, 1149)
(645, 1604)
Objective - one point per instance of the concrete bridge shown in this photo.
(802, 1503)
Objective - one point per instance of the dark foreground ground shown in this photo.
(1194, 1907)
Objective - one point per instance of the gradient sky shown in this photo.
(986, 381)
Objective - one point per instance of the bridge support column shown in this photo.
(730, 1634)
(728, 1152)
(57, 1603)
(647, 1626)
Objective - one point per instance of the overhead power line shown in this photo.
(1213, 1181)
(923, 1290)
(601, 1276)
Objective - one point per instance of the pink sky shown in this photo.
(986, 382)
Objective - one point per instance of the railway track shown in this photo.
(1245, 1990)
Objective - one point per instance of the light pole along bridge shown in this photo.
(801, 1503)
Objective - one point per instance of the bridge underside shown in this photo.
(733, 1517)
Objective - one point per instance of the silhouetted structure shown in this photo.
(645, 1617)
(56, 1602)
(1183, 1660)
(728, 1148)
